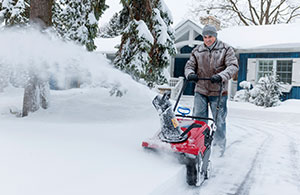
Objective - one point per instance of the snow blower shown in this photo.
(188, 136)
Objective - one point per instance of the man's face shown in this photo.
(209, 40)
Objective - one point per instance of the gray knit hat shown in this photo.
(209, 30)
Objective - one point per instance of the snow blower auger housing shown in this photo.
(188, 136)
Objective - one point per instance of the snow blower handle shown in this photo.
(184, 86)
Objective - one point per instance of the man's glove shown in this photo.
(193, 77)
(216, 78)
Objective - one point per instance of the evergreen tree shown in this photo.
(164, 46)
(14, 12)
(73, 19)
(157, 18)
(267, 92)
(78, 20)
(116, 25)
(133, 56)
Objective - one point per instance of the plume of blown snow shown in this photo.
(31, 51)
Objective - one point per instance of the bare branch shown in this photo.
(266, 16)
(277, 7)
(240, 15)
(292, 14)
(251, 10)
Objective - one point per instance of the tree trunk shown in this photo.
(41, 12)
(30, 100)
(36, 91)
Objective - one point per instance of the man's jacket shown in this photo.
(204, 62)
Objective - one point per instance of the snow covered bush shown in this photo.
(243, 95)
(265, 93)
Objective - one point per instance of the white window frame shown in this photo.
(274, 66)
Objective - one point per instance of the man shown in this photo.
(216, 60)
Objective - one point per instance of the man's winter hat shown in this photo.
(209, 30)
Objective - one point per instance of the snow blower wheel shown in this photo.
(193, 171)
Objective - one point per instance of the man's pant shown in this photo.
(201, 103)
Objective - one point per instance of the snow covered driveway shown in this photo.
(90, 143)
(262, 157)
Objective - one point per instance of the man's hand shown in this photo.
(216, 78)
(193, 77)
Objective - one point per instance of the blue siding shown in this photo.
(199, 38)
(294, 94)
(243, 59)
(179, 72)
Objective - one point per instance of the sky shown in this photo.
(89, 141)
(179, 9)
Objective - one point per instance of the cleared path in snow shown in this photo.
(262, 157)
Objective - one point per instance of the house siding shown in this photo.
(179, 72)
(243, 60)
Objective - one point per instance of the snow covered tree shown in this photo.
(164, 45)
(156, 47)
(248, 12)
(133, 55)
(14, 12)
(36, 91)
(73, 19)
(116, 25)
(267, 92)
(78, 20)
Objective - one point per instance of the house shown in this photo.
(265, 50)
(261, 50)
(187, 36)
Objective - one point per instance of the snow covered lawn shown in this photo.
(88, 142)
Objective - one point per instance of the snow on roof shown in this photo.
(107, 45)
(260, 37)
(188, 21)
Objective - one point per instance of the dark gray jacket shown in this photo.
(204, 62)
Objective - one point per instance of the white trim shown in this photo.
(296, 72)
(185, 25)
(252, 70)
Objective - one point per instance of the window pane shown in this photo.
(284, 70)
(265, 67)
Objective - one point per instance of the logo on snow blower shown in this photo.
(175, 122)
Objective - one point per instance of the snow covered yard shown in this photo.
(90, 143)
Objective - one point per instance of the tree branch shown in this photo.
(237, 11)
(292, 14)
(277, 7)
(251, 10)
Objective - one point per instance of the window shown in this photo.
(282, 68)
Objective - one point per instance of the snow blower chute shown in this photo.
(188, 136)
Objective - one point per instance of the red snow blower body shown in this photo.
(188, 136)
(195, 144)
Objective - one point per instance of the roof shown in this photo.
(263, 38)
(188, 22)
